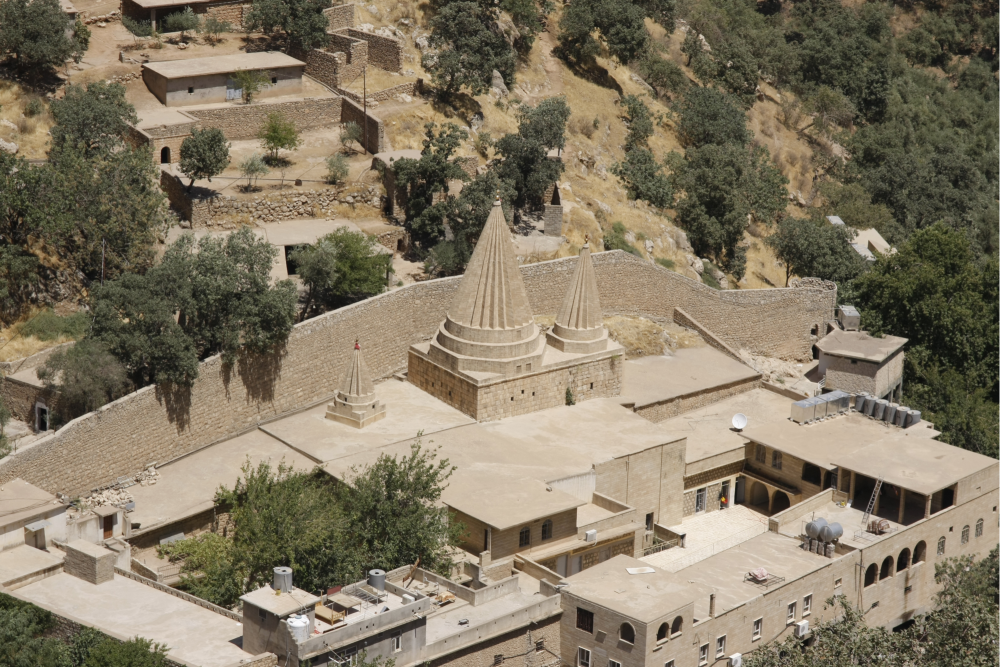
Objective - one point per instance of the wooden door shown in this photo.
(108, 525)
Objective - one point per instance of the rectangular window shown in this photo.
(758, 628)
(720, 646)
(262, 615)
(699, 500)
(703, 654)
(397, 643)
(761, 454)
(649, 521)
(584, 620)
(838, 582)
(582, 657)
(274, 79)
(614, 663)
(790, 617)
(190, 90)
(524, 537)
(807, 605)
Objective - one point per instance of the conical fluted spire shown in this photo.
(581, 308)
(492, 293)
(357, 381)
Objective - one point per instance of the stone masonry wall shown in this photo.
(335, 67)
(225, 11)
(536, 645)
(383, 52)
(339, 17)
(243, 121)
(160, 424)
(374, 140)
(409, 88)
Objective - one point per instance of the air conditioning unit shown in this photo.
(590, 536)
(801, 629)
(736, 660)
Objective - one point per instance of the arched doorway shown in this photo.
(165, 155)
(758, 494)
(780, 502)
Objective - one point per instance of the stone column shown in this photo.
(902, 504)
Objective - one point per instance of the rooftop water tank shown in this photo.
(298, 626)
(814, 527)
(831, 532)
(890, 413)
(282, 580)
(870, 405)
(879, 410)
(901, 414)
(859, 401)
(913, 418)
(376, 579)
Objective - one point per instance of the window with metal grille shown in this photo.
(498, 659)
(776, 460)
(700, 500)
(940, 551)
(965, 534)
(979, 528)
(547, 529)
(584, 620)
(761, 454)
(524, 537)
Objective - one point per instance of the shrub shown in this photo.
(34, 107)
(49, 326)
(252, 168)
(336, 169)
(615, 240)
(182, 22)
(277, 133)
(666, 263)
(138, 28)
(251, 82)
(214, 26)
(350, 133)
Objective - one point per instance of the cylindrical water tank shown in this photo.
(298, 626)
(901, 413)
(890, 413)
(814, 526)
(869, 405)
(913, 418)
(859, 401)
(376, 579)
(282, 579)
(831, 532)
(879, 409)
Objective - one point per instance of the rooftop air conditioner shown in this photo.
(736, 660)
(801, 629)
(590, 536)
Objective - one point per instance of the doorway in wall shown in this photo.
(724, 499)
(165, 155)
(109, 526)
(41, 417)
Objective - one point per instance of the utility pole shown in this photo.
(103, 243)
(364, 119)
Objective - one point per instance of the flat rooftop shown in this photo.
(445, 622)
(703, 532)
(860, 345)
(23, 560)
(177, 69)
(711, 442)
(126, 608)
(503, 501)
(644, 597)
(163, 117)
(849, 519)
(724, 572)
(20, 500)
(280, 604)
(654, 379)
(187, 486)
(851, 439)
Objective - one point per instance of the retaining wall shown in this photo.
(409, 88)
(339, 16)
(383, 52)
(374, 139)
(162, 423)
(243, 121)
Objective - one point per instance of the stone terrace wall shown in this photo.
(383, 52)
(411, 88)
(244, 121)
(375, 142)
(339, 17)
(160, 424)
(232, 11)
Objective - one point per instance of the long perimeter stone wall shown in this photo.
(157, 424)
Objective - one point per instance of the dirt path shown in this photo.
(550, 63)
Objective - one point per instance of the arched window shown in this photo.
(886, 570)
(871, 575)
(940, 551)
(903, 561)
(626, 633)
(677, 626)
(965, 534)
(919, 552)
(524, 537)
(812, 474)
(979, 528)
(165, 155)
(547, 529)
(776, 460)
(662, 633)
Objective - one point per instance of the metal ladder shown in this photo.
(871, 503)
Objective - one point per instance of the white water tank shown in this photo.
(298, 626)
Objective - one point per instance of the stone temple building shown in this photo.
(490, 359)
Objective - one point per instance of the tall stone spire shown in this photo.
(355, 403)
(579, 327)
(489, 326)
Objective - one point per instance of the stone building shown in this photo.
(210, 80)
(856, 361)
(490, 360)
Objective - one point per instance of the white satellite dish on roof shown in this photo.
(739, 421)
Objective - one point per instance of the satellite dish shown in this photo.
(739, 421)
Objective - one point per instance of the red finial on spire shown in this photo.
(356, 345)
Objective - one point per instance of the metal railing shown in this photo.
(660, 545)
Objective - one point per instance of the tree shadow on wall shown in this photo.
(176, 398)
(260, 374)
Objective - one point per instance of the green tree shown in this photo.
(663, 75)
(86, 376)
(619, 25)
(935, 292)
(708, 116)
(278, 133)
(468, 50)
(22, 636)
(340, 268)
(853, 204)
(98, 117)
(643, 178)
(204, 154)
(278, 516)
(33, 35)
(301, 21)
(394, 513)
(253, 167)
(525, 163)
(723, 187)
(213, 26)
(81, 39)
(136, 652)
(423, 178)
(638, 120)
(337, 169)
(4, 420)
(350, 133)
(251, 82)
(814, 247)
(182, 21)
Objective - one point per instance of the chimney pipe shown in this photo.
(711, 605)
